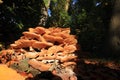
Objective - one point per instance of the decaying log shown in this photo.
(46, 49)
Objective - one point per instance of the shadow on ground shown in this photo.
(95, 72)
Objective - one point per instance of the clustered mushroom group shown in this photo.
(45, 49)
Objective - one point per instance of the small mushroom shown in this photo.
(39, 65)
(31, 54)
(22, 43)
(70, 48)
(66, 58)
(40, 45)
(31, 30)
(65, 64)
(30, 35)
(70, 40)
(46, 58)
(39, 30)
(53, 38)
(54, 50)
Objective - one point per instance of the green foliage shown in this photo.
(17, 16)
(82, 16)
(59, 15)
(47, 3)
(64, 19)
(90, 22)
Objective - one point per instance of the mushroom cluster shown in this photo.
(44, 49)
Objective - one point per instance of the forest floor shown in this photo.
(97, 69)
(88, 68)
(93, 68)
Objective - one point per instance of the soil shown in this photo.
(87, 70)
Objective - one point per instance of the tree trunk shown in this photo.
(67, 5)
(115, 28)
(44, 15)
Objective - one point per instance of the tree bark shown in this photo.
(115, 28)
(44, 14)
